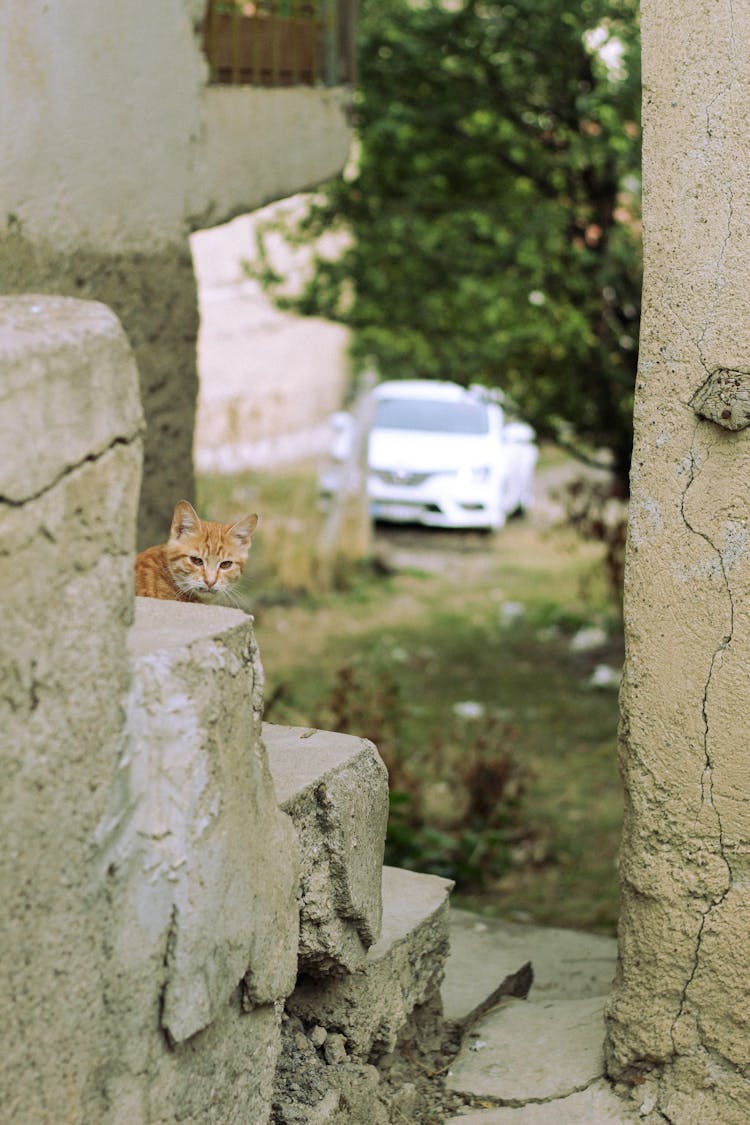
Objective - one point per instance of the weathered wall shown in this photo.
(112, 149)
(154, 296)
(678, 1011)
(69, 410)
(150, 881)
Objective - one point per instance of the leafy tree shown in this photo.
(493, 209)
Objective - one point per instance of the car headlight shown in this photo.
(481, 472)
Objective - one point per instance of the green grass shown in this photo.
(522, 806)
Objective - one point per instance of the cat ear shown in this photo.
(243, 530)
(185, 520)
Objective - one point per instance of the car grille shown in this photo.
(401, 477)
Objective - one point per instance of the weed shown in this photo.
(455, 795)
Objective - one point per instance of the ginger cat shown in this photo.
(199, 560)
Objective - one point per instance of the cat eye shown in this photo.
(196, 561)
(225, 564)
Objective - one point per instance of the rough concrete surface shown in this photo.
(66, 573)
(552, 1049)
(684, 939)
(484, 951)
(64, 397)
(208, 867)
(335, 788)
(403, 969)
(154, 295)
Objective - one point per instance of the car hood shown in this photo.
(417, 451)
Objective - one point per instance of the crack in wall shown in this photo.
(170, 944)
(69, 470)
(707, 775)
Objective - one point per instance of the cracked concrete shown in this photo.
(684, 950)
(537, 1061)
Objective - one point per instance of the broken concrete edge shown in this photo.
(166, 626)
(370, 1006)
(597, 1104)
(335, 788)
(485, 951)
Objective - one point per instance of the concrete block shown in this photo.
(204, 864)
(64, 397)
(403, 970)
(522, 1051)
(335, 788)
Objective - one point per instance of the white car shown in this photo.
(443, 456)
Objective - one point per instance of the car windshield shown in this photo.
(432, 415)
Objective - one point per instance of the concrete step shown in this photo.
(339, 1028)
(335, 789)
(524, 1050)
(484, 951)
(537, 1061)
(402, 971)
(209, 861)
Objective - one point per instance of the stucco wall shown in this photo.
(71, 415)
(112, 149)
(112, 140)
(150, 923)
(678, 1015)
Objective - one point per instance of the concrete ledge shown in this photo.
(403, 969)
(335, 788)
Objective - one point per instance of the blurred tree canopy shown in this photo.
(494, 207)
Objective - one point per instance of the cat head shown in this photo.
(204, 557)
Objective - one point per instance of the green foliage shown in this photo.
(494, 206)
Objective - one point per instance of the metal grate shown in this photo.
(280, 42)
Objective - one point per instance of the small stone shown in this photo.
(335, 1049)
(318, 1036)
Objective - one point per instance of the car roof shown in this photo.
(423, 388)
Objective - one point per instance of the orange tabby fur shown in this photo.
(199, 560)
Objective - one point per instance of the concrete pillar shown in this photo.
(679, 1018)
(70, 421)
